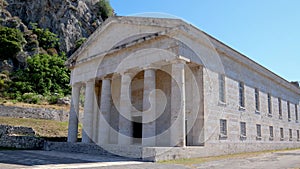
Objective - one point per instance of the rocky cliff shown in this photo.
(69, 19)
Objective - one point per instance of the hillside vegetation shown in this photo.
(43, 78)
(34, 47)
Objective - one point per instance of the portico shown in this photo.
(134, 98)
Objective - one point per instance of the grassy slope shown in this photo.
(27, 105)
(43, 128)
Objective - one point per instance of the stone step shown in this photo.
(131, 152)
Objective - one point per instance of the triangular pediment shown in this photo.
(117, 31)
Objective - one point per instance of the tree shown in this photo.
(105, 9)
(44, 75)
(11, 42)
(46, 38)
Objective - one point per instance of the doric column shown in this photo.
(177, 133)
(87, 129)
(105, 106)
(74, 113)
(149, 108)
(125, 119)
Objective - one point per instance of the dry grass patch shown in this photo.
(192, 161)
(42, 105)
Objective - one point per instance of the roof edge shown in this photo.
(120, 19)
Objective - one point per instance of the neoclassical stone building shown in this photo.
(162, 89)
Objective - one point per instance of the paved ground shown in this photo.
(46, 159)
(278, 160)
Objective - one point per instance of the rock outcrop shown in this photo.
(69, 19)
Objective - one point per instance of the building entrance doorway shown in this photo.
(137, 128)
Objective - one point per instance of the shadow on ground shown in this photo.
(37, 158)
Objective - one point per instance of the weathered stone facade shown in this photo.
(172, 91)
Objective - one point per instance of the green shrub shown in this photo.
(79, 42)
(44, 75)
(46, 38)
(11, 42)
(105, 9)
(32, 98)
(52, 99)
(2, 84)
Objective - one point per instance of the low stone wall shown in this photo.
(16, 131)
(74, 148)
(19, 137)
(21, 142)
(36, 113)
(133, 152)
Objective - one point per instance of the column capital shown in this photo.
(90, 81)
(79, 84)
(147, 67)
(128, 73)
(185, 59)
(177, 61)
(150, 68)
(106, 78)
(116, 76)
(149, 73)
(180, 59)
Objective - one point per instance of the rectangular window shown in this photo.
(258, 131)
(280, 108)
(223, 128)
(269, 104)
(241, 94)
(243, 130)
(281, 134)
(222, 88)
(298, 135)
(291, 134)
(289, 110)
(296, 113)
(257, 104)
(271, 132)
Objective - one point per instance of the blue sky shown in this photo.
(267, 31)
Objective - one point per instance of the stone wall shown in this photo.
(16, 131)
(36, 113)
(19, 137)
(128, 151)
(234, 114)
(74, 148)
